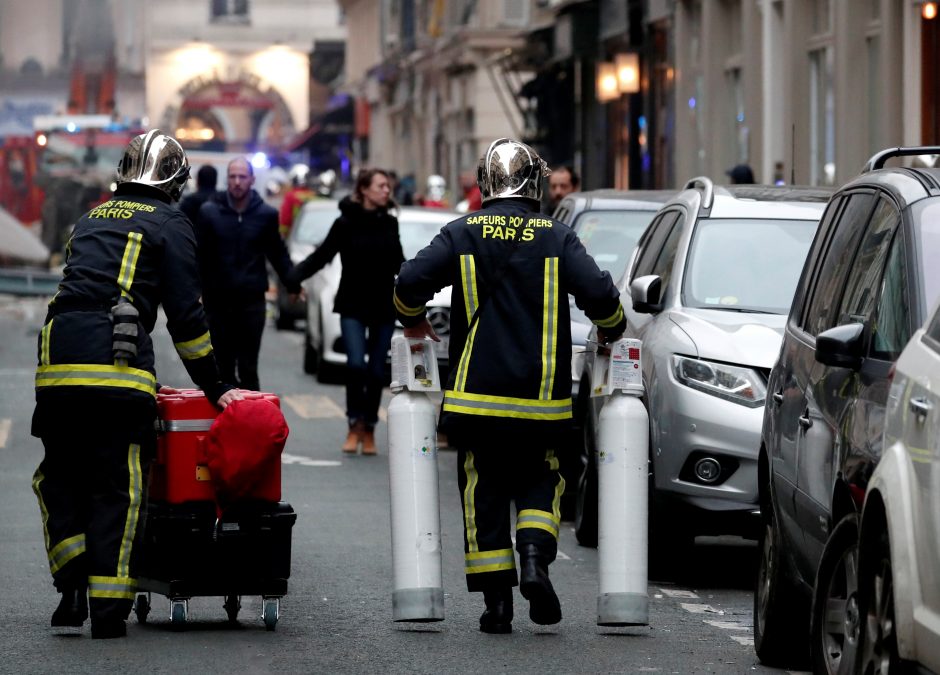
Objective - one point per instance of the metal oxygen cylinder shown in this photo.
(418, 593)
(124, 320)
(623, 484)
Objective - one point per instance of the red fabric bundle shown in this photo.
(244, 451)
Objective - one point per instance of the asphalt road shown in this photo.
(336, 617)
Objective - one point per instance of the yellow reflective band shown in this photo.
(469, 501)
(468, 277)
(612, 320)
(65, 550)
(464, 363)
(134, 492)
(539, 520)
(38, 478)
(504, 406)
(549, 327)
(405, 309)
(489, 561)
(122, 588)
(95, 375)
(44, 343)
(195, 348)
(129, 262)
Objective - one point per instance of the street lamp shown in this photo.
(929, 10)
(628, 72)
(608, 88)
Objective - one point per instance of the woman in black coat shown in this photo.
(366, 238)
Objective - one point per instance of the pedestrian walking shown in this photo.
(236, 233)
(96, 385)
(206, 179)
(508, 400)
(366, 238)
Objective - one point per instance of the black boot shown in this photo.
(68, 617)
(104, 629)
(544, 607)
(498, 615)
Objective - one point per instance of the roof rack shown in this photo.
(878, 160)
(703, 183)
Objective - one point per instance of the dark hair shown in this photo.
(364, 180)
(207, 177)
(575, 179)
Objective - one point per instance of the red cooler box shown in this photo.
(180, 472)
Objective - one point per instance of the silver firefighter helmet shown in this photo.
(511, 169)
(157, 160)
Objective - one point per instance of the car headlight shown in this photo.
(732, 383)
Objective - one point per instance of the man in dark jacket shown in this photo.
(236, 232)
(206, 179)
(509, 398)
(96, 385)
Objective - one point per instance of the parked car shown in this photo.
(313, 224)
(609, 224)
(324, 350)
(708, 290)
(899, 546)
(872, 273)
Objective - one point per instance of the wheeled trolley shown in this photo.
(187, 552)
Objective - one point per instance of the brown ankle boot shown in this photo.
(353, 438)
(368, 442)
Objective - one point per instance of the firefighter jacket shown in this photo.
(134, 247)
(511, 270)
(233, 246)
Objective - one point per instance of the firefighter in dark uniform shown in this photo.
(508, 398)
(96, 385)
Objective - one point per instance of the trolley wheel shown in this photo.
(270, 612)
(179, 609)
(142, 607)
(233, 603)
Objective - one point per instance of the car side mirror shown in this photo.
(841, 346)
(645, 292)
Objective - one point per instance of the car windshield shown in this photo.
(314, 224)
(416, 234)
(929, 241)
(611, 236)
(746, 265)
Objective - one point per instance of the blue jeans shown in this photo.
(366, 349)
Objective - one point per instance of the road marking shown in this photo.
(745, 640)
(699, 609)
(309, 406)
(562, 556)
(5, 425)
(678, 593)
(287, 458)
(728, 625)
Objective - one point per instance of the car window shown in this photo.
(665, 262)
(928, 243)
(892, 327)
(831, 273)
(653, 245)
(745, 264)
(611, 236)
(314, 225)
(862, 286)
(416, 234)
(932, 334)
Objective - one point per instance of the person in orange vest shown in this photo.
(300, 193)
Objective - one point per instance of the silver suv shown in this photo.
(707, 291)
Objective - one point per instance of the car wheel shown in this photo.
(878, 639)
(585, 512)
(311, 356)
(780, 609)
(835, 623)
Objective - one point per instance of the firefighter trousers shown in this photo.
(490, 478)
(90, 490)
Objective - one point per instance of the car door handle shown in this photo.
(920, 406)
(778, 397)
(805, 421)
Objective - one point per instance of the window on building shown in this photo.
(235, 11)
(821, 96)
(515, 12)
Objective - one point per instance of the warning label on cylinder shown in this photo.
(625, 370)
